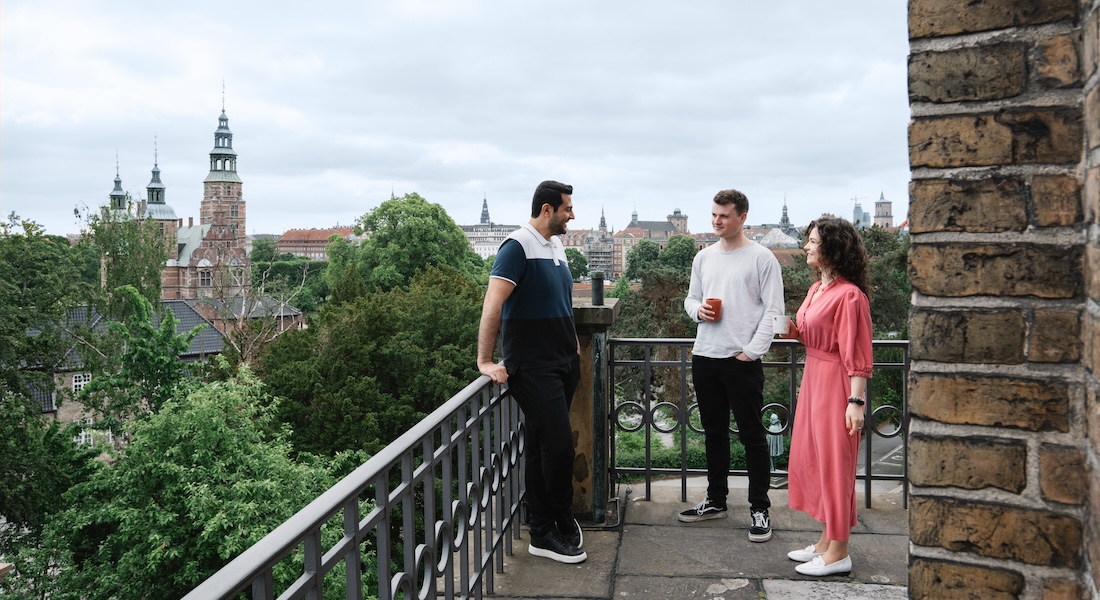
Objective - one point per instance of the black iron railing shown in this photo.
(439, 503)
(653, 395)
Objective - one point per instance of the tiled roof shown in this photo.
(314, 235)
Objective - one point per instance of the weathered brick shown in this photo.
(1043, 271)
(1055, 336)
(1091, 190)
(929, 18)
(971, 463)
(976, 205)
(1057, 200)
(1092, 422)
(940, 580)
(1090, 49)
(1063, 474)
(1048, 136)
(1092, 108)
(1034, 537)
(975, 73)
(1092, 270)
(1062, 589)
(1094, 526)
(968, 336)
(1017, 403)
(1056, 62)
(959, 142)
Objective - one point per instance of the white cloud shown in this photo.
(646, 105)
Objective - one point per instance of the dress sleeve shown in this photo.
(853, 333)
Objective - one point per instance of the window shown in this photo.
(205, 279)
(80, 380)
(234, 211)
(85, 438)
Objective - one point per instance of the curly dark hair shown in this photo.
(841, 251)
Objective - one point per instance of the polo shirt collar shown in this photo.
(535, 232)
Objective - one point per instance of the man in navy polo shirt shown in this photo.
(530, 304)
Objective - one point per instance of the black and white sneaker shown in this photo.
(761, 528)
(702, 511)
(571, 532)
(552, 546)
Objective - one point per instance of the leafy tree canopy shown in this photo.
(578, 263)
(640, 258)
(678, 253)
(406, 235)
(40, 281)
(368, 369)
(202, 480)
(131, 252)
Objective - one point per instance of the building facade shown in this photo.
(486, 236)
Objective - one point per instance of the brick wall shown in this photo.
(1004, 148)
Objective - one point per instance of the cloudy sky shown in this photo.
(334, 105)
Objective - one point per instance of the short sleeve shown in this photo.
(853, 333)
(510, 262)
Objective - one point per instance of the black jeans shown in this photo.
(722, 385)
(544, 395)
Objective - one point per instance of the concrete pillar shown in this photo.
(590, 409)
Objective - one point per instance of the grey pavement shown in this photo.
(650, 554)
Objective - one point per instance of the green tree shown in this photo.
(406, 235)
(131, 252)
(40, 282)
(149, 370)
(369, 368)
(200, 481)
(263, 250)
(578, 263)
(678, 254)
(640, 258)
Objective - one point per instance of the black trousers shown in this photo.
(723, 385)
(544, 395)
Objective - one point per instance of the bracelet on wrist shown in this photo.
(856, 400)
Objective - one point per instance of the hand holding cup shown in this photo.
(714, 305)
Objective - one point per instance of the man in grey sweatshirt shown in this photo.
(726, 368)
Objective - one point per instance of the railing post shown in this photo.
(589, 413)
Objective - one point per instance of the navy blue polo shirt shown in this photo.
(537, 318)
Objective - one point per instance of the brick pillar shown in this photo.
(589, 413)
(1004, 148)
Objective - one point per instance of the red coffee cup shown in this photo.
(715, 305)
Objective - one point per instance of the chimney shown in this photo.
(180, 223)
(190, 221)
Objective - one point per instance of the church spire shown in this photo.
(155, 189)
(485, 210)
(118, 197)
(603, 221)
(223, 159)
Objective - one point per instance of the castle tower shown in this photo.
(884, 216)
(603, 222)
(155, 208)
(117, 196)
(785, 221)
(484, 211)
(679, 221)
(222, 199)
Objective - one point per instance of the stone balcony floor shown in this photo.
(652, 555)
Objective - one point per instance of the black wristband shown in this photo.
(855, 400)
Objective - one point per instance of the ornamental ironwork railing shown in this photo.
(433, 513)
(653, 397)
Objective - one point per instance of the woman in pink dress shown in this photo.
(834, 323)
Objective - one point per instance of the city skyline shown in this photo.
(653, 110)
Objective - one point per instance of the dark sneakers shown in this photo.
(703, 511)
(554, 547)
(761, 528)
(571, 532)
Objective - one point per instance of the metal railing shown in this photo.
(664, 405)
(444, 496)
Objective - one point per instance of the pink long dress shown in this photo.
(836, 329)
